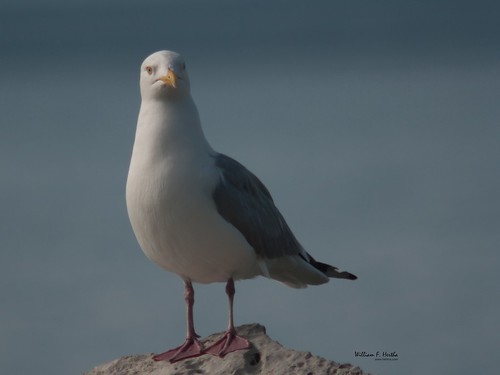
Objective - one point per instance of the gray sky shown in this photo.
(374, 126)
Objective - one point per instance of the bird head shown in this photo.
(164, 76)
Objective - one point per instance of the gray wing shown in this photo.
(243, 200)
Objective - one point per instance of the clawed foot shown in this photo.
(191, 348)
(228, 343)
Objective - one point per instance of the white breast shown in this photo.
(170, 206)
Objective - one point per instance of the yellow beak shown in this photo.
(170, 78)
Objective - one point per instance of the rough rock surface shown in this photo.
(264, 357)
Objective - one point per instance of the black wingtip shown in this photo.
(332, 271)
(346, 275)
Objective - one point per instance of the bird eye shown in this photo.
(149, 70)
(183, 66)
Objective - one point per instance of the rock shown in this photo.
(264, 357)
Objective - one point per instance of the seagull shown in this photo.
(201, 214)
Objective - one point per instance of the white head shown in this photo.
(164, 76)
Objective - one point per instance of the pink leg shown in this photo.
(191, 346)
(230, 342)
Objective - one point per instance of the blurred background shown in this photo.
(375, 125)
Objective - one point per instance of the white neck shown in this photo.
(165, 128)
